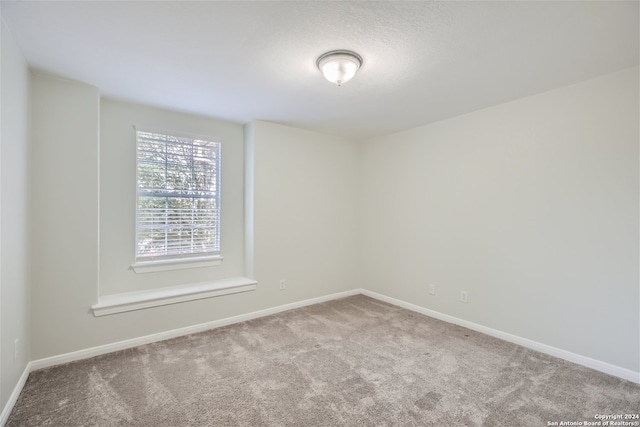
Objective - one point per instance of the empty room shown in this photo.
(314, 213)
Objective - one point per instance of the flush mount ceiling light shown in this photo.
(339, 66)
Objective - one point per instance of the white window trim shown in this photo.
(152, 266)
(130, 301)
(190, 260)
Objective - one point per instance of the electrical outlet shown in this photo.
(432, 289)
(15, 349)
(283, 285)
(464, 297)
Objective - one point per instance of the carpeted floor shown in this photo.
(350, 362)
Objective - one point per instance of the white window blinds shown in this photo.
(178, 196)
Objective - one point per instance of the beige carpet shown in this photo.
(350, 362)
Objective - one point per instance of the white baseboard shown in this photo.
(598, 365)
(607, 368)
(4, 416)
(147, 339)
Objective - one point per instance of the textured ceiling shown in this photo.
(244, 61)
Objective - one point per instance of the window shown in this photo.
(178, 198)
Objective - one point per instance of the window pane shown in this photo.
(178, 210)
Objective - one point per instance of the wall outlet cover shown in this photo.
(464, 297)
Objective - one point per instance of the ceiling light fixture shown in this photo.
(339, 66)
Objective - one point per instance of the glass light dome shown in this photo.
(339, 66)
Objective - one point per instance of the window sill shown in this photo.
(130, 301)
(175, 264)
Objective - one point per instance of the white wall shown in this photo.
(118, 195)
(306, 219)
(14, 223)
(65, 213)
(303, 226)
(530, 206)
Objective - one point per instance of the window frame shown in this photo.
(147, 264)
